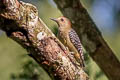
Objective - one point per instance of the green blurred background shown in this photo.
(16, 64)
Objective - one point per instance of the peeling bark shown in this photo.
(21, 23)
(91, 37)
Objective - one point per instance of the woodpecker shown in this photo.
(69, 38)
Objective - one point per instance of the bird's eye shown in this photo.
(62, 19)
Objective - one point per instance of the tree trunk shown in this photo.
(91, 37)
(21, 23)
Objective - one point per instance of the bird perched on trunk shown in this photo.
(69, 38)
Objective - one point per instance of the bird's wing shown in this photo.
(76, 42)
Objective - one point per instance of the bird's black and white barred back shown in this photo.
(76, 42)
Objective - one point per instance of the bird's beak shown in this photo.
(54, 19)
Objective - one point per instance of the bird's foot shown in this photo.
(72, 53)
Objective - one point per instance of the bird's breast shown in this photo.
(62, 37)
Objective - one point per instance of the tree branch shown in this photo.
(91, 37)
(21, 23)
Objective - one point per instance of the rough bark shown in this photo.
(91, 37)
(21, 23)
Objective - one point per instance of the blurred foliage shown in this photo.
(30, 71)
(17, 65)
